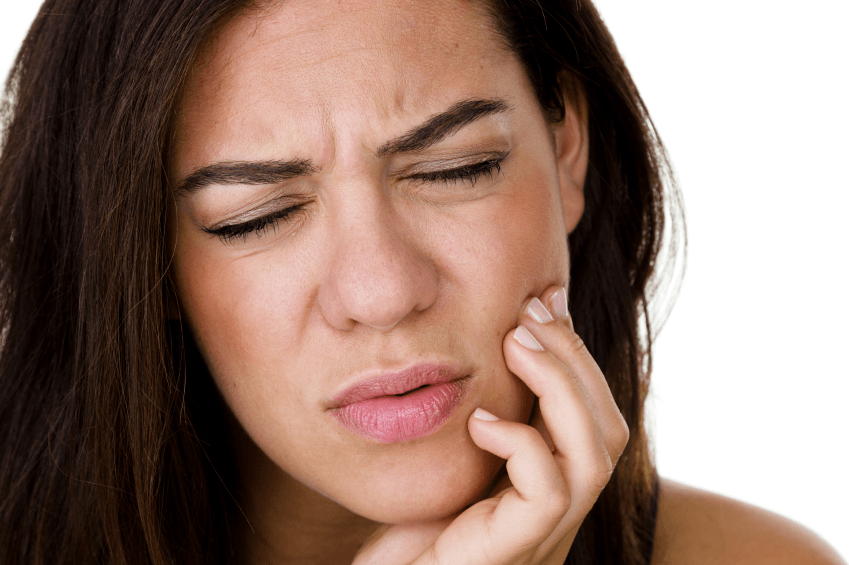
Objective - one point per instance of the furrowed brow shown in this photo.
(429, 133)
(442, 125)
(244, 172)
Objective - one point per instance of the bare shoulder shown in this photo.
(697, 527)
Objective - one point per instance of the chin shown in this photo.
(426, 485)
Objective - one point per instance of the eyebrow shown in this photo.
(442, 125)
(434, 130)
(244, 172)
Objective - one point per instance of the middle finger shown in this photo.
(560, 339)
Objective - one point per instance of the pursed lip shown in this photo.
(397, 383)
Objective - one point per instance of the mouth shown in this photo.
(401, 383)
(411, 391)
(402, 406)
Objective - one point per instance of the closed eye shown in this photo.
(466, 174)
(258, 226)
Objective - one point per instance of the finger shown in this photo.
(526, 514)
(560, 540)
(580, 444)
(536, 421)
(555, 297)
(561, 340)
(399, 543)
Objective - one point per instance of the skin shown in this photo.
(695, 527)
(383, 268)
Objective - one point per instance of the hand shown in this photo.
(556, 466)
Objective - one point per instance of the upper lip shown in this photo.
(391, 383)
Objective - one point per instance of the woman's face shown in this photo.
(364, 189)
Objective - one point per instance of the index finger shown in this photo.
(559, 338)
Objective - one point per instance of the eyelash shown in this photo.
(260, 226)
(469, 173)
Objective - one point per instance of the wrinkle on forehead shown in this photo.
(311, 65)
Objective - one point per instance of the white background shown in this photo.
(751, 382)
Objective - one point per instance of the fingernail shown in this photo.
(536, 310)
(523, 336)
(482, 414)
(558, 303)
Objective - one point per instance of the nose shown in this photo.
(378, 275)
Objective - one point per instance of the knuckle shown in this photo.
(576, 345)
(529, 435)
(435, 556)
(600, 473)
(620, 434)
(574, 342)
(559, 502)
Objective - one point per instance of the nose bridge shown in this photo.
(378, 275)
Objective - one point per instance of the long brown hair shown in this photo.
(106, 418)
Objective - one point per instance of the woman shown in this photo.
(288, 282)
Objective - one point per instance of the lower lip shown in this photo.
(391, 419)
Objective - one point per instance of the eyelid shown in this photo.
(257, 226)
(450, 164)
(270, 207)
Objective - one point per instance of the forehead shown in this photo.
(297, 69)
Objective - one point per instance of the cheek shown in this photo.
(239, 311)
(538, 230)
(514, 245)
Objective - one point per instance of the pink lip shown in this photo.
(374, 409)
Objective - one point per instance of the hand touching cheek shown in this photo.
(556, 466)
